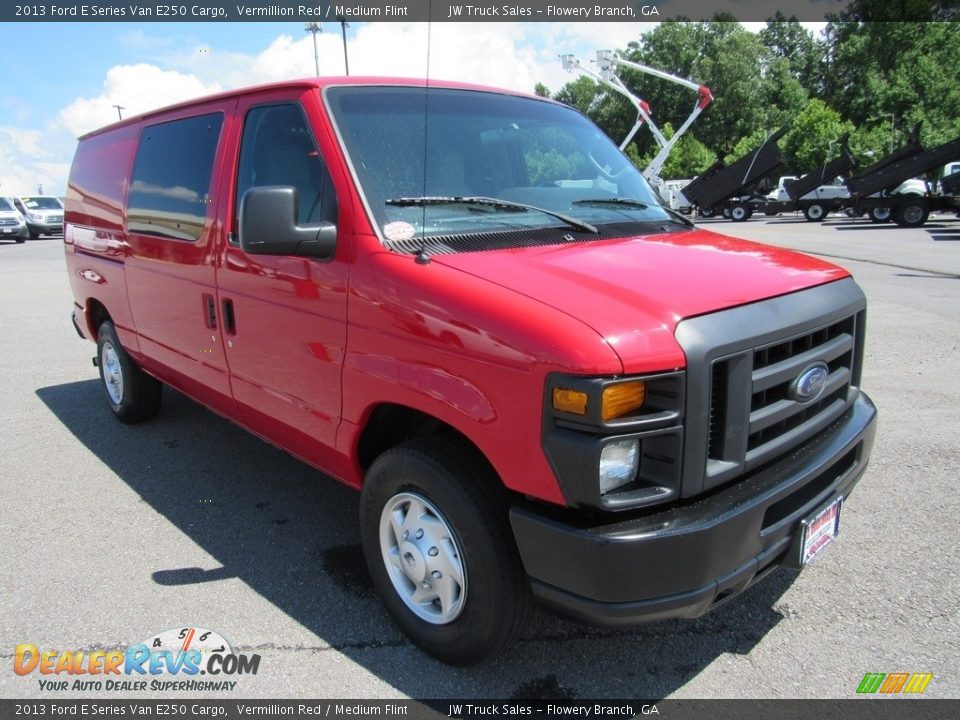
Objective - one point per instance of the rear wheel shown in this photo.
(879, 214)
(438, 545)
(706, 212)
(131, 393)
(740, 213)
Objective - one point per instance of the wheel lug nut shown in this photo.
(433, 552)
(406, 534)
(419, 534)
(426, 585)
(436, 574)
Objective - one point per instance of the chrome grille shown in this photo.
(8, 221)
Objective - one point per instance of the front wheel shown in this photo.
(438, 545)
(815, 212)
(912, 214)
(131, 393)
(740, 213)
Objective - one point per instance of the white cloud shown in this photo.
(25, 165)
(138, 89)
(511, 55)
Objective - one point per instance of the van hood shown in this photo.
(633, 291)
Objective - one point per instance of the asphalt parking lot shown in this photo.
(111, 533)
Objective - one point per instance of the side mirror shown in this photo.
(268, 225)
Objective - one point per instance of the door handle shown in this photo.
(229, 322)
(210, 311)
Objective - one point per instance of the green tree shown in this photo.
(786, 39)
(814, 137)
(897, 73)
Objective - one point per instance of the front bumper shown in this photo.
(684, 560)
(45, 227)
(12, 231)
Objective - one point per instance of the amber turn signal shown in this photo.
(570, 401)
(622, 399)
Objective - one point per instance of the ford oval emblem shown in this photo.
(809, 384)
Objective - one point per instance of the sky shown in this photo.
(62, 80)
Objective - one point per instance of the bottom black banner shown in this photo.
(858, 709)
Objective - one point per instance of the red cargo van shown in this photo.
(468, 304)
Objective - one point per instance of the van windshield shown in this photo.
(42, 203)
(5, 204)
(434, 162)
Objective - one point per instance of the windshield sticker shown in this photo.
(399, 230)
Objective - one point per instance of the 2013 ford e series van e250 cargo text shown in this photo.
(470, 306)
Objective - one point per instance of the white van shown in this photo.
(12, 224)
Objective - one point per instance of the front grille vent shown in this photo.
(776, 420)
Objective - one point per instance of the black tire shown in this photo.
(769, 213)
(462, 490)
(879, 214)
(911, 214)
(740, 212)
(20, 239)
(133, 395)
(815, 212)
(34, 234)
(706, 212)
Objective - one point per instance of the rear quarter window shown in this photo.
(170, 184)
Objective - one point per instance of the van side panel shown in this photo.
(170, 270)
(93, 229)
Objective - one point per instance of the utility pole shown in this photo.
(314, 28)
(343, 32)
(119, 108)
(893, 120)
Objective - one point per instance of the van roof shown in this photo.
(317, 82)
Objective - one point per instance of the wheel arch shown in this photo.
(390, 424)
(95, 314)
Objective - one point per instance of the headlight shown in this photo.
(35, 217)
(618, 463)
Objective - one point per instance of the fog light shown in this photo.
(618, 463)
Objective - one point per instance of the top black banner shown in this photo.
(453, 11)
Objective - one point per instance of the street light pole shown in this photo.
(314, 28)
(119, 108)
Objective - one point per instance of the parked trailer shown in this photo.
(729, 187)
(906, 210)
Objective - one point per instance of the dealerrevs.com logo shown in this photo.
(172, 660)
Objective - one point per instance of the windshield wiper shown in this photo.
(613, 201)
(506, 205)
(638, 204)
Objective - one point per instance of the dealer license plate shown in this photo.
(8, 230)
(819, 531)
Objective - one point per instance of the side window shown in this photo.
(277, 148)
(170, 185)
